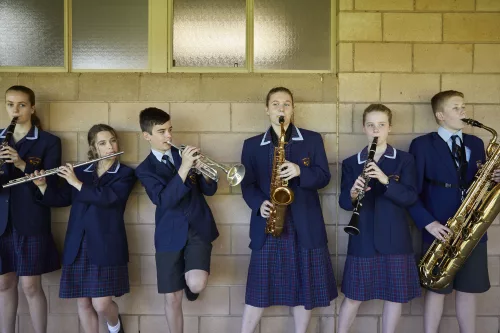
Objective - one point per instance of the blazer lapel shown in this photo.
(177, 158)
(443, 151)
(161, 168)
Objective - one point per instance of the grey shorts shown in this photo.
(473, 277)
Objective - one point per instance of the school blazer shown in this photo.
(308, 152)
(179, 205)
(384, 224)
(434, 162)
(40, 150)
(96, 213)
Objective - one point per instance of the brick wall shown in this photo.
(398, 52)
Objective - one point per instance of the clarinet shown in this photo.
(9, 132)
(353, 229)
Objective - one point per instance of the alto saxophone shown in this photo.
(470, 222)
(281, 194)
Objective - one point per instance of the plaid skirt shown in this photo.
(27, 255)
(283, 273)
(391, 278)
(83, 279)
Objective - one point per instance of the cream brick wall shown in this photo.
(398, 52)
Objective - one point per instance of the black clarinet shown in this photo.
(9, 132)
(352, 228)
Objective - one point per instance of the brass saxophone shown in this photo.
(476, 213)
(281, 194)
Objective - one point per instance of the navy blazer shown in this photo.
(96, 213)
(179, 205)
(40, 150)
(383, 223)
(434, 162)
(308, 152)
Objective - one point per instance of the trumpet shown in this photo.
(234, 174)
(29, 178)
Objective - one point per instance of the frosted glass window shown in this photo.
(209, 33)
(110, 34)
(32, 33)
(292, 34)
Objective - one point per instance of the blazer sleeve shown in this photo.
(250, 190)
(317, 174)
(56, 196)
(347, 181)
(115, 192)
(167, 196)
(420, 215)
(51, 160)
(404, 192)
(207, 188)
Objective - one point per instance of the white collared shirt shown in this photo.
(446, 136)
(159, 155)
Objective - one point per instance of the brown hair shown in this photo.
(92, 135)
(276, 90)
(31, 95)
(149, 117)
(378, 108)
(440, 98)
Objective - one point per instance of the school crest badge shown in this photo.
(34, 160)
(395, 177)
(306, 161)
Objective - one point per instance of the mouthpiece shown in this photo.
(472, 122)
(281, 119)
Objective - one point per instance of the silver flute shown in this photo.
(29, 178)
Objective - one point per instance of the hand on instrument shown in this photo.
(496, 176)
(289, 170)
(188, 157)
(438, 230)
(40, 182)
(358, 186)
(265, 209)
(67, 172)
(11, 156)
(373, 171)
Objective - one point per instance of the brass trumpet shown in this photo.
(234, 173)
(54, 171)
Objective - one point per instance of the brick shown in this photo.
(401, 141)
(129, 144)
(125, 116)
(384, 5)
(229, 209)
(329, 86)
(487, 5)
(487, 58)
(364, 325)
(240, 239)
(154, 324)
(487, 303)
(222, 245)
(134, 270)
(140, 239)
(60, 305)
(414, 27)
(409, 87)
(382, 57)
(316, 117)
(351, 144)
(228, 270)
(445, 5)
(424, 120)
(221, 324)
(69, 144)
(69, 116)
(479, 27)
(345, 118)
(478, 88)
(285, 324)
(52, 87)
(409, 324)
(7, 80)
(108, 87)
(212, 301)
(130, 214)
(494, 270)
(327, 324)
(146, 209)
(171, 87)
(190, 139)
(148, 270)
(402, 115)
(441, 58)
(329, 206)
(55, 323)
(346, 4)
(223, 148)
(344, 217)
(142, 300)
(198, 117)
(488, 115)
(346, 63)
(52, 278)
(249, 117)
(359, 87)
(360, 27)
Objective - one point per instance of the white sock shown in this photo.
(115, 329)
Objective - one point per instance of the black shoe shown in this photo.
(190, 295)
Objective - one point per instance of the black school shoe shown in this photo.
(190, 295)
